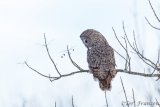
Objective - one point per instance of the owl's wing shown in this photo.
(103, 56)
(107, 58)
(94, 62)
(93, 59)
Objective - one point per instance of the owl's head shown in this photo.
(92, 38)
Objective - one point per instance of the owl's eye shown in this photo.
(85, 41)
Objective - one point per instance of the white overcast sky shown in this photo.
(22, 25)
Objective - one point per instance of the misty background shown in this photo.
(22, 26)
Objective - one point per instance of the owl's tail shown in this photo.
(105, 84)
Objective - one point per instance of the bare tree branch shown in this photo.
(120, 54)
(134, 47)
(156, 67)
(128, 62)
(35, 70)
(124, 92)
(138, 73)
(127, 59)
(72, 102)
(45, 41)
(118, 39)
(136, 50)
(134, 101)
(151, 24)
(74, 63)
(154, 11)
(106, 99)
(55, 104)
(60, 75)
(154, 15)
(52, 78)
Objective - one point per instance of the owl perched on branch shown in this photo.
(100, 57)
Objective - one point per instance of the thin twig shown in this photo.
(55, 78)
(124, 92)
(120, 44)
(74, 63)
(135, 42)
(72, 102)
(106, 99)
(35, 70)
(123, 105)
(120, 54)
(134, 101)
(135, 49)
(45, 40)
(154, 15)
(156, 67)
(138, 73)
(154, 11)
(127, 59)
(151, 24)
(158, 64)
(87, 71)
(118, 39)
(158, 78)
(128, 62)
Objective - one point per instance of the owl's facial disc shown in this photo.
(86, 41)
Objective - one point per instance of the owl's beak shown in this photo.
(89, 47)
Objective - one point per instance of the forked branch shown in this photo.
(53, 78)
(127, 70)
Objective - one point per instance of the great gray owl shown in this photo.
(100, 57)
